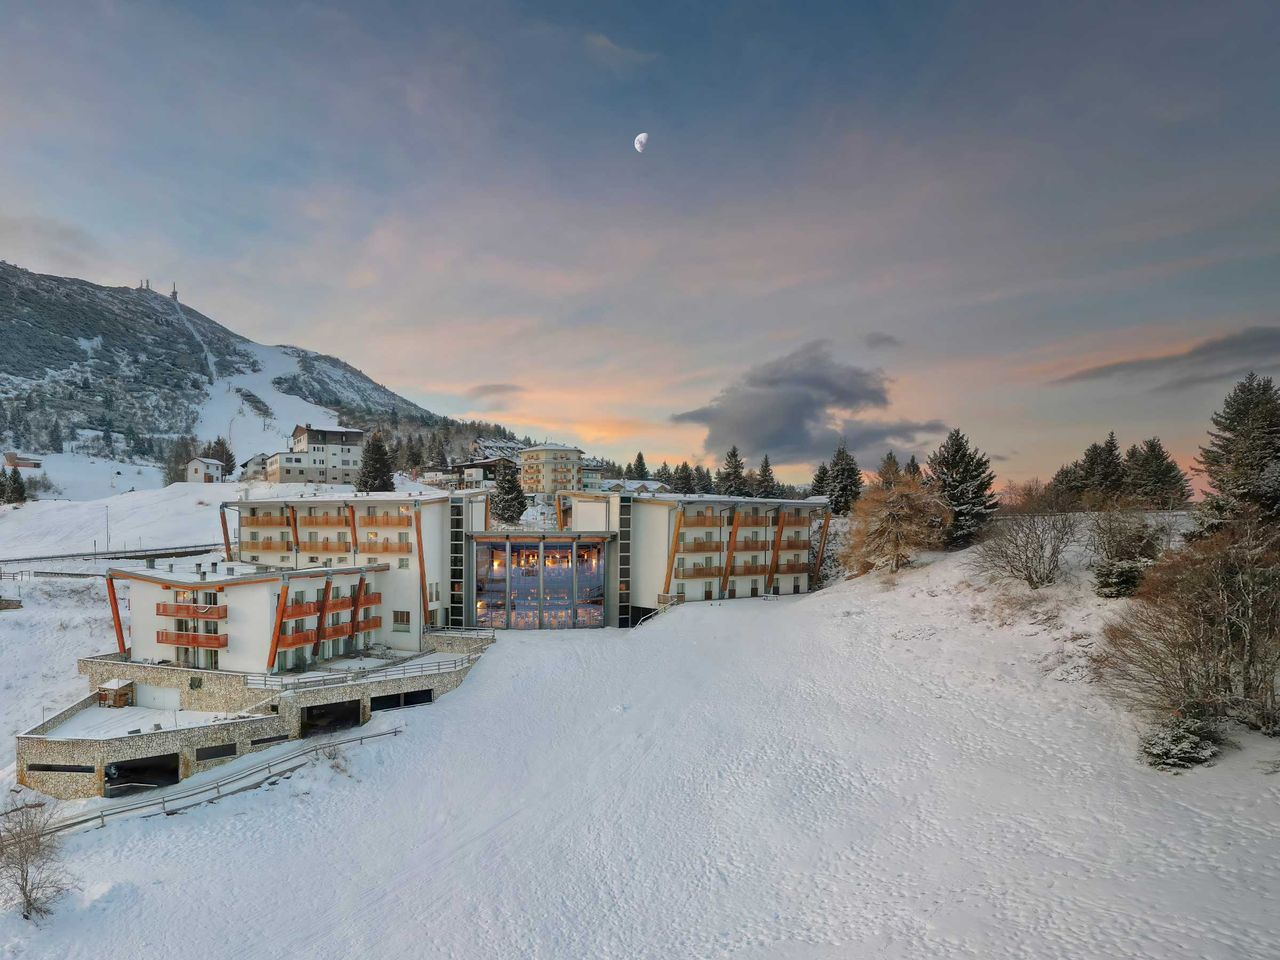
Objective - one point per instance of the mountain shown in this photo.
(81, 359)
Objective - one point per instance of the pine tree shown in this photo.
(181, 451)
(703, 482)
(508, 499)
(17, 492)
(1153, 478)
(220, 450)
(414, 455)
(55, 436)
(731, 477)
(682, 478)
(376, 473)
(664, 474)
(821, 476)
(1103, 470)
(751, 482)
(628, 472)
(1243, 444)
(639, 470)
(961, 476)
(912, 469)
(4, 486)
(890, 472)
(844, 481)
(766, 484)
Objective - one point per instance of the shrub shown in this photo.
(1180, 743)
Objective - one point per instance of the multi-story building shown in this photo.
(592, 473)
(550, 467)
(323, 454)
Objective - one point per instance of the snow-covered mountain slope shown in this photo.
(890, 771)
(90, 356)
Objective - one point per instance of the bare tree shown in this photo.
(893, 522)
(1201, 637)
(1028, 538)
(31, 867)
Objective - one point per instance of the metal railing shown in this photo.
(267, 681)
(141, 553)
(244, 780)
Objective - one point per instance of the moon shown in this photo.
(641, 141)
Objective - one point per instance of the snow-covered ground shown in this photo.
(83, 477)
(910, 770)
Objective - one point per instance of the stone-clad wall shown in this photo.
(51, 722)
(214, 692)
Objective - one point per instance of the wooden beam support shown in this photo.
(324, 606)
(728, 557)
(226, 537)
(422, 568)
(115, 612)
(293, 526)
(822, 547)
(671, 554)
(355, 537)
(355, 607)
(281, 602)
(777, 545)
(559, 514)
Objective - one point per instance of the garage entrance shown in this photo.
(126, 776)
(327, 717)
(394, 701)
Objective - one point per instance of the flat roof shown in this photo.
(186, 575)
(426, 494)
(697, 498)
(106, 724)
(550, 446)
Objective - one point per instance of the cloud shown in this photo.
(614, 56)
(62, 246)
(1217, 358)
(492, 396)
(877, 339)
(797, 408)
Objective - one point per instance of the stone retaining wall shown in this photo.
(212, 691)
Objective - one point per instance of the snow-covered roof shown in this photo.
(634, 486)
(323, 428)
(551, 446)
(717, 498)
(207, 460)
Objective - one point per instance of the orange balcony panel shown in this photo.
(753, 521)
(795, 520)
(750, 569)
(386, 520)
(371, 599)
(325, 546)
(384, 546)
(755, 546)
(697, 573)
(368, 623)
(700, 546)
(212, 641)
(303, 638)
(323, 521)
(701, 520)
(266, 520)
(293, 611)
(793, 567)
(266, 546)
(191, 611)
(795, 543)
(338, 603)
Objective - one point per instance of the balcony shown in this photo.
(370, 600)
(700, 520)
(338, 603)
(697, 573)
(750, 569)
(191, 611)
(325, 546)
(369, 623)
(335, 631)
(750, 546)
(793, 566)
(386, 520)
(303, 638)
(266, 546)
(795, 543)
(795, 520)
(384, 546)
(266, 520)
(753, 521)
(323, 521)
(293, 611)
(210, 641)
(700, 546)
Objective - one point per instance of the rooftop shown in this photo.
(550, 446)
(203, 574)
(96, 723)
(323, 427)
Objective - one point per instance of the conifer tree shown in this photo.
(1244, 446)
(912, 469)
(376, 472)
(731, 477)
(220, 450)
(4, 486)
(17, 492)
(895, 521)
(180, 453)
(844, 481)
(639, 470)
(508, 500)
(664, 474)
(890, 472)
(818, 486)
(1103, 469)
(961, 476)
(682, 478)
(703, 482)
(1153, 478)
(766, 484)
(629, 472)
(55, 436)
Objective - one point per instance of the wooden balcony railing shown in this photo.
(325, 546)
(267, 546)
(384, 546)
(368, 623)
(701, 520)
(191, 611)
(748, 520)
(793, 566)
(334, 631)
(370, 600)
(266, 520)
(211, 641)
(338, 603)
(752, 546)
(386, 520)
(700, 546)
(323, 521)
(293, 611)
(794, 543)
(750, 569)
(697, 573)
(303, 638)
(795, 520)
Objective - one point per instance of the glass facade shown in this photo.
(537, 584)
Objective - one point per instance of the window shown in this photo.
(211, 659)
(57, 768)
(400, 621)
(403, 563)
(216, 753)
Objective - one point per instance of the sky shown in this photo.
(1033, 222)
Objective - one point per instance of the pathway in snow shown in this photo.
(861, 773)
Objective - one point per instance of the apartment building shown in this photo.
(549, 467)
(323, 454)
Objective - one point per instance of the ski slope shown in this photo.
(901, 770)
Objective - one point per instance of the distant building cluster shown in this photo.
(317, 454)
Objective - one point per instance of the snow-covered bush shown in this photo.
(1180, 743)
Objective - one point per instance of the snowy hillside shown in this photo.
(911, 770)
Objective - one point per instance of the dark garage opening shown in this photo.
(393, 701)
(125, 776)
(415, 697)
(330, 716)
